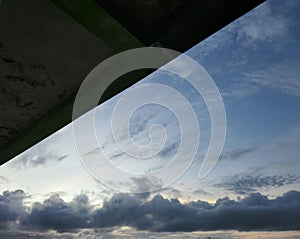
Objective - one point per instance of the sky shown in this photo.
(254, 189)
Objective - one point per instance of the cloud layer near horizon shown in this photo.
(158, 214)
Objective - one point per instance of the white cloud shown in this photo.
(283, 77)
(262, 24)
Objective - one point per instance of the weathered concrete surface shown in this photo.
(46, 52)
(44, 56)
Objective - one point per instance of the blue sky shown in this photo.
(255, 62)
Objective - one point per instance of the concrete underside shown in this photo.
(48, 47)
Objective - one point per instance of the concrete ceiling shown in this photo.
(48, 47)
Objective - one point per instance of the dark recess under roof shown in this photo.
(175, 24)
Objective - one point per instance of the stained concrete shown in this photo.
(44, 57)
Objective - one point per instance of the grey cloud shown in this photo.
(109, 233)
(21, 234)
(172, 192)
(3, 180)
(92, 152)
(254, 212)
(11, 206)
(236, 154)
(140, 124)
(244, 184)
(54, 213)
(145, 185)
(169, 149)
(115, 154)
(35, 158)
(202, 192)
(138, 127)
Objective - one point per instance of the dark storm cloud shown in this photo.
(245, 184)
(236, 154)
(254, 212)
(11, 206)
(55, 213)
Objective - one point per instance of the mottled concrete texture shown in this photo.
(44, 57)
(47, 47)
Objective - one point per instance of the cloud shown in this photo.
(202, 192)
(255, 212)
(169, 149)
(141, 123)
(260, 45)
(172, 192)
(245, 184)
(263, 24)
(282, 77)
(55, 213)
(269, 22)
(125, 233)
(158, 214)
(236, 154)
(3, 180)
(145, 184)
(11, 206)
(36, 157)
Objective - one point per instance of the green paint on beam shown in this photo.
(96, 20)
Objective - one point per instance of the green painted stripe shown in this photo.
(96, 20)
